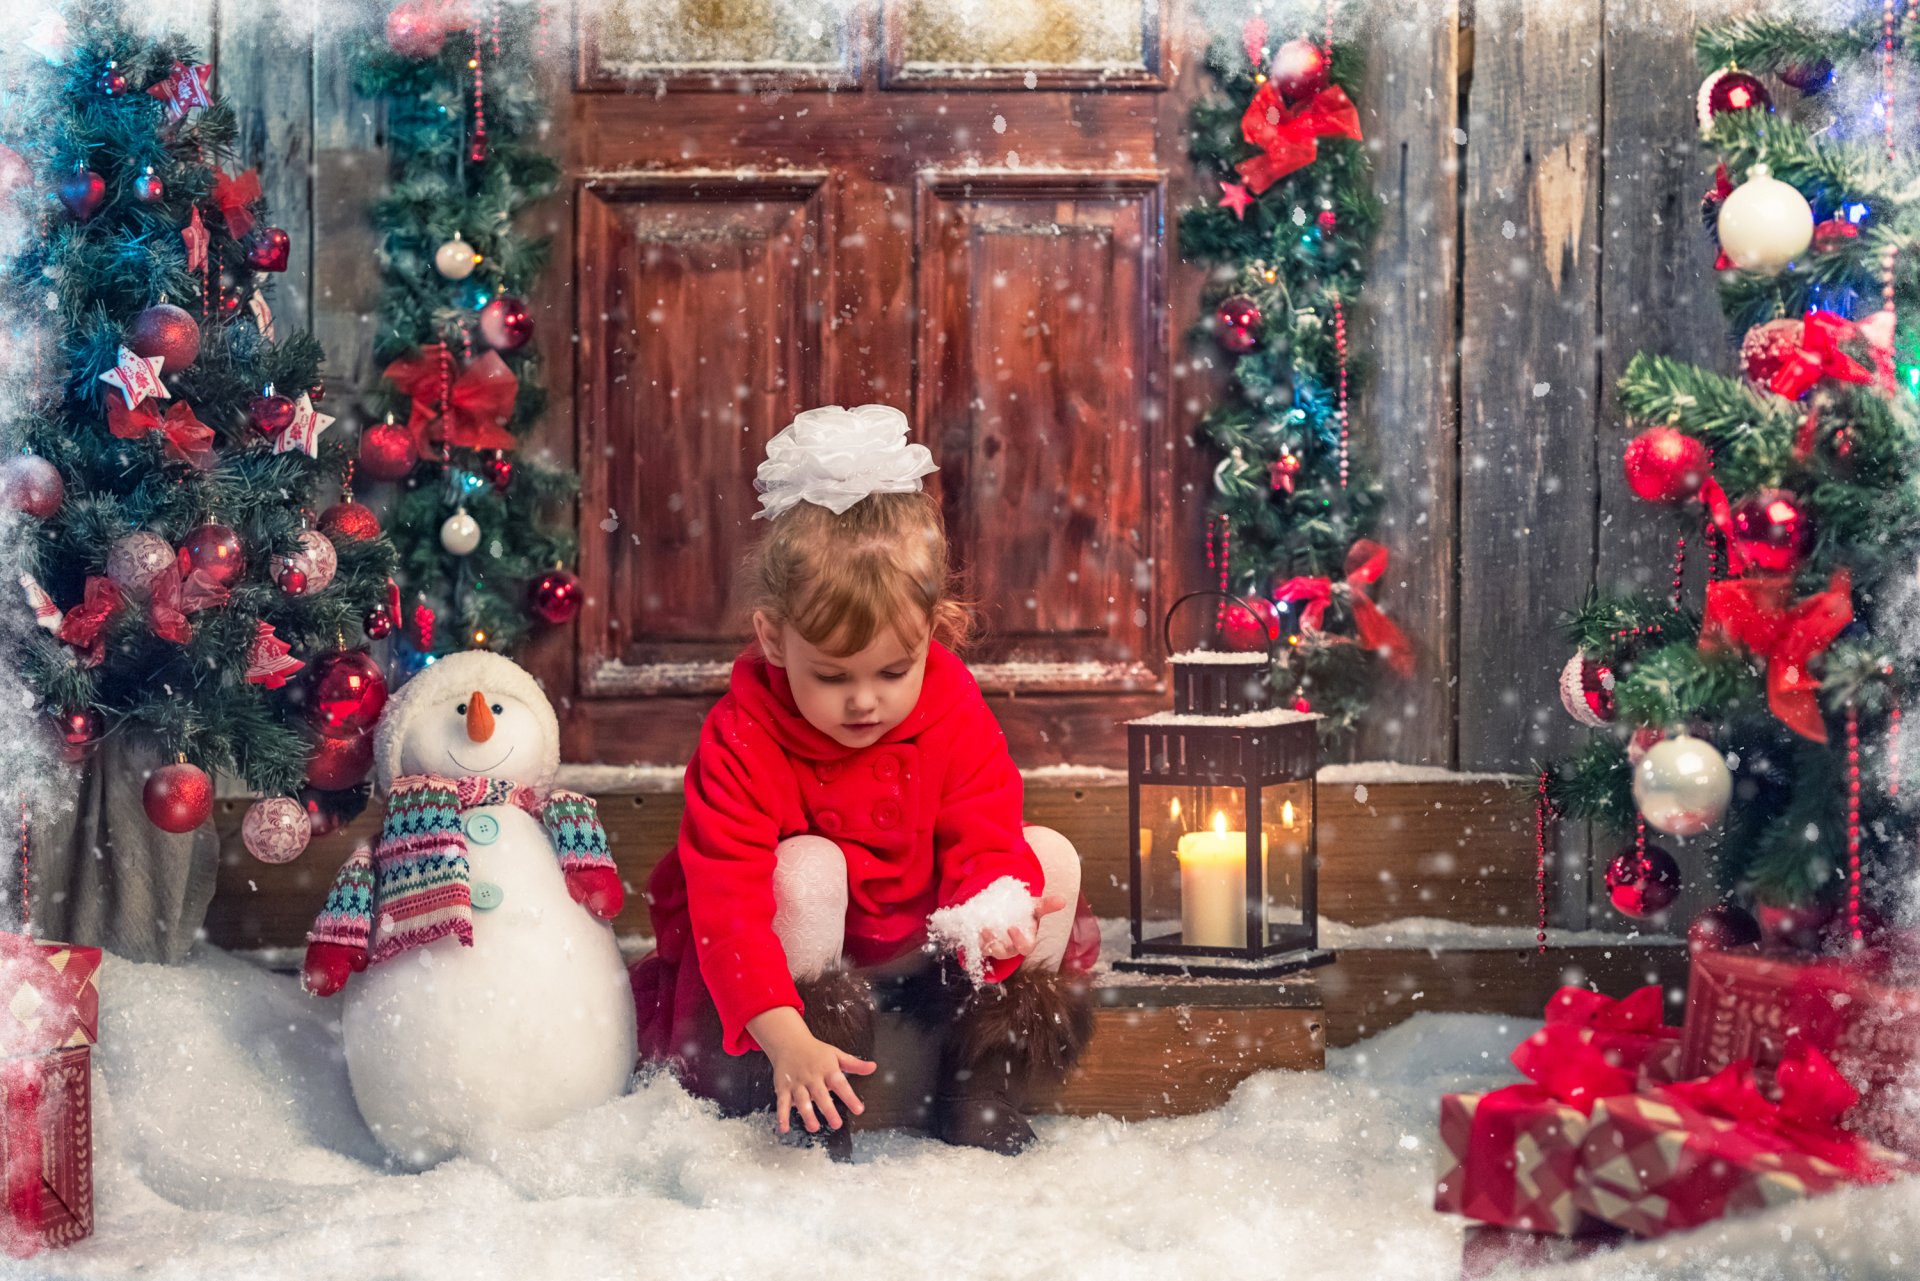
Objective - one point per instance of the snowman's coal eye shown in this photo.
(497, 709)
(460, 710)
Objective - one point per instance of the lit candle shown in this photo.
(1213, 886)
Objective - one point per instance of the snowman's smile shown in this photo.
(478, 769)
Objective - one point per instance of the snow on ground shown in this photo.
(227, 1145)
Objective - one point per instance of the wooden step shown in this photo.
(1459, 848)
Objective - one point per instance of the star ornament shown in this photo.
(137, 377)
(194, 236)
(1236, 197)
(303, 433)
(186, 88)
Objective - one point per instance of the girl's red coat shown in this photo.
(928, 816)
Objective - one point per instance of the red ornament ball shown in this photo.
(350, 520)
(1772, 531)
(276, 829)
(1721, 928)
(339, 763)
(1642, 883)
(1798, 926)
(378, 624)
(348, 692)
(506, 324)
(215, 550)
(499, 470)
(149, 189)
(555, 597)
(1664, 465)
(268, 249)
(1586, 691)
(79, 734)
(1298, 70)
(31, 484)
(177, 798)
(82, 193)
(387, 452)
(271, 415)
(293, 581)
(1246, 632)
(168, 332)
(322, 818)
(1833, 234)
(111, 81)
(1731, 90)
(418, 28)
(1237, 324)
(1768, 346)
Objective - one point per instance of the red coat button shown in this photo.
(827, 771)
(886, 769)
(886, 814)
(828, 821)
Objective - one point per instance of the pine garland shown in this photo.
(1851, 468)
(84, 281)
(1298, 254)
(437, 191)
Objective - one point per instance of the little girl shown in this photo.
(850, 799)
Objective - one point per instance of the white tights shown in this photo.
(810, 899)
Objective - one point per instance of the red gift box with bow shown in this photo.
(1511, 1157)
(1629, 1032)
(1695, 1151)
(49, 1022)
(1744, 1005)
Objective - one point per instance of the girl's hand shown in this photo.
(807, 1072)
(1004, 943)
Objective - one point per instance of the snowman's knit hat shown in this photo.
(451, 679)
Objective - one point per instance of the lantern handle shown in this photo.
(1259, 623)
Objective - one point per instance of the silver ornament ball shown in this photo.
(455, 259)
(1682, 785)
(1765, 224)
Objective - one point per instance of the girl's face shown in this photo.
(853, 699)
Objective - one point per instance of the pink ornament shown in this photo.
(315, 564)
(276, 829)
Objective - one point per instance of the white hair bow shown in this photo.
(833, 457)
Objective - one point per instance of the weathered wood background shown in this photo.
(1541, 173)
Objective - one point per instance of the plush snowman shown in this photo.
(491, 996)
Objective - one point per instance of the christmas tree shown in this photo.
(482, 552)
(1294, 503)
(1759, 722)
(171, 455)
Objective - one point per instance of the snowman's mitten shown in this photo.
(328, 966)
(597, 889)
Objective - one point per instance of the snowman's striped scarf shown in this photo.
(415, 886)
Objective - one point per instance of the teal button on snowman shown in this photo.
(517, 997)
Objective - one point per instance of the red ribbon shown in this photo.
(1366, 564)
(178, 591)
(1752, 613)
(1813, 1097)
(1819, 356)
(234, 193)
(187, 439)
(477, 404)
(1290, 137)
(85, 624)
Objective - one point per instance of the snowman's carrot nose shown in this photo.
(479, 718)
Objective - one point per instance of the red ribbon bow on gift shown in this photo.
(187, 439)
(85, 624)
(1752, 613)
(1630, 1032)
(476, 404)
(1290, 137)
(1813, 1097)
(1819, 356)
(1366, 563)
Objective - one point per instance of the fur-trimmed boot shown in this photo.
(1005, 1043)
(839, 1011)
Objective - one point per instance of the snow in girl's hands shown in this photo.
(1003, 906)
(228, 1146)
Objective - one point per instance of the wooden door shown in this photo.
(775, 209)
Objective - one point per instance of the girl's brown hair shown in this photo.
(842, 580)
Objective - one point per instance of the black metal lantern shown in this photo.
(1221, 796)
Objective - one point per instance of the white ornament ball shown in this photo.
(1586, 691)
(133, 562)
(316, 559)
(1682, 785)
(1765, 224)
(276, 830)
(455, 259)
(460, 533)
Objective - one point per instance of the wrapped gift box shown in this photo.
(49, 1020)
(1745, 1005)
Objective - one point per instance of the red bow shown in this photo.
(187, 439)
(1819, 356)
(477, 403)
(178, 591)
(1289, 137)
(1752, 613)
(85, 624)
(234, 194)
(1366, 563)
(1722, 188)
(1813, 1097)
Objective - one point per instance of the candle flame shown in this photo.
(1286, 813)
(1173, 809)
(1220, 822)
